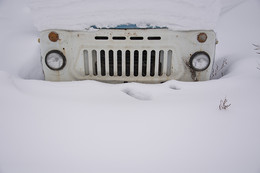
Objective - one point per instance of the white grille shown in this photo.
(128, 63)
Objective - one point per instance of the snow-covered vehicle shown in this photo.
(127, 54)
(127, 41)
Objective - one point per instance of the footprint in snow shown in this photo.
(137, 94)
(174, 87)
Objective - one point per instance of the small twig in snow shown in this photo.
(257, 48)
(223, 104)
(217, 70)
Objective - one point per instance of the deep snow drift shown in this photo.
(81, 15)
(88, 126)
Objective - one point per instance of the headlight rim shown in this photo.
(63, 58)
(194, 56)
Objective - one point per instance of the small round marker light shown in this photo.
(55, 60)
(202, 37)
(53, 36)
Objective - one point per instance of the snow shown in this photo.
(89, 126)
(174, 14)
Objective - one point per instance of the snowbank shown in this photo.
(89, 126)
(81, 15)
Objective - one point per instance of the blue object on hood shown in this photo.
(129, 26)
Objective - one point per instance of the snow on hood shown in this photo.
(81, 15)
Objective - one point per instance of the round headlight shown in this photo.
(55, 60)
(200, 61)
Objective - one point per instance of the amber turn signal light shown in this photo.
(53, 36)
(202, 37)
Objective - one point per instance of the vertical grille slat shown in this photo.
(119, 63)
(156, 68)
(164, 68)
(94, 62)
(123, 63)
(130, 63)
(86, 62)
(161, 62)
(111, 64)
(144, 63)
(127, 62)
(169, 62)
(152, 63)
(114, 62)
(136, 62)
(90, 60)
(140, 63)
(107, 69)
(98, 64)
(103, 63)
(148, 65)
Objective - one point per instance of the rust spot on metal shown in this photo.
(202, 37)
(53, 36)
(39, 40)
(193, 72)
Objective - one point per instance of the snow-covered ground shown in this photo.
(174, 14)
(88, 126)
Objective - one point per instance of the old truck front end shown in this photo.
(148, 55)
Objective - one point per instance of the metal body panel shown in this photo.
(133, 55)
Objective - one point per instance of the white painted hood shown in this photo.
(81, 15)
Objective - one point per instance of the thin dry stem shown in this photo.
(217, 70)
(257, 48)
(223, 104)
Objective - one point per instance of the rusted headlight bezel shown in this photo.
(64, 61)
(194, 56)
